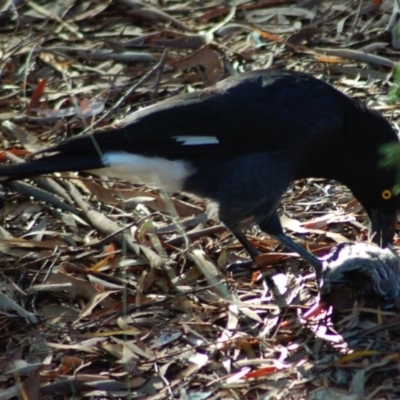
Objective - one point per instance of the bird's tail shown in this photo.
(54, 163)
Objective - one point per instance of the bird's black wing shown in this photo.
(261, 111)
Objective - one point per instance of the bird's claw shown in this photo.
(239, 267)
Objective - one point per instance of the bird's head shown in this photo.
(372, 170)
(382, 203)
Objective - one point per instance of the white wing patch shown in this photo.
(153, 171)
(196, 140)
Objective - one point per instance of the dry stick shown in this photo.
(158, 80)
(356, 55)
(228, 18)
(40, 194)
(6, 304)
(108, 238)
(52, 16)
(124, 57)
(138, 7)
(171, 241)
(353, 28)
(343, 53)
(196, 235)
(103, 224)
(145, 78)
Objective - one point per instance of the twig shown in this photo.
(141, 81)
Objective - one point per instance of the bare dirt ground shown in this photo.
(89, 309)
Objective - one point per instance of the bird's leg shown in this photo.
(302, 252)
(245, 265)
(272, 226)
(246, 244)
(284, 239)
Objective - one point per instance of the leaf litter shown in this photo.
(110, 290)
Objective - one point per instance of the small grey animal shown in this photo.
(358, 270)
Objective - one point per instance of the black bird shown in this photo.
(240, 143)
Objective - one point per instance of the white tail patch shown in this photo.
(154, 171)
(196, 140)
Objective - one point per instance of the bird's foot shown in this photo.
(239, 267)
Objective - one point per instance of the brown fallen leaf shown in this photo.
(208, 59)
(37, 94)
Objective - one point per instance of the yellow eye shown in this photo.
(387, 194)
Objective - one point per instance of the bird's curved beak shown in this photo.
(382, 226)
